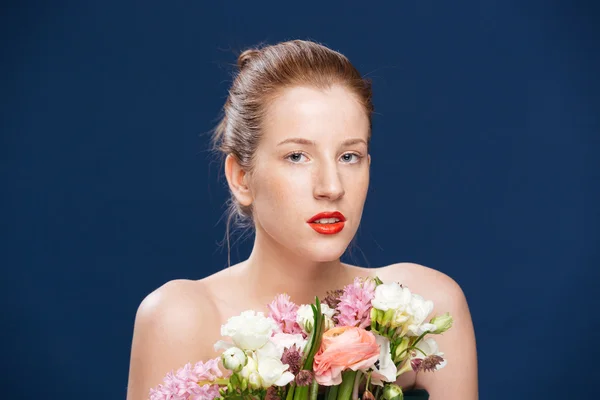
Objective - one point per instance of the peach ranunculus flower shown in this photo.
(344, 348)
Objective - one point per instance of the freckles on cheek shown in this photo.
(271, 189)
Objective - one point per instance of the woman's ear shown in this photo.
(237, 179)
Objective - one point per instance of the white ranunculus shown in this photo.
(306, 318)
(386, 370)
(430, 347)
(273, 372)
(250, 330)
(234, 359)
(287, 340)
(391, 296)
(269, 350)
(419, 309)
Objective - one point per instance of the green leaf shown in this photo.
(301, 393)
(332, 392)
(290, 393)
(347, 385)
(314, 390)
(315, 336)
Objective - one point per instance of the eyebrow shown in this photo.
(307, 142)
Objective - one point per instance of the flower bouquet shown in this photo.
(352, 345)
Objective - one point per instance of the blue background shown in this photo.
(484, 167)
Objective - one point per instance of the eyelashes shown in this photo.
(296, 156)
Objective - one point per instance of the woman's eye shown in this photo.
(348, 158)
(295, 157)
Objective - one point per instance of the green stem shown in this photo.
(301, 393)
(357, 380)
(220, 382)
(345, 391)
(420, 337)
(332, 392)
(376, 394)
(413, 347)
(290, 393)
(314, 390)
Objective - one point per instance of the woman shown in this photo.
(295, 137)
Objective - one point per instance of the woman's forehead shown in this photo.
(315, 115)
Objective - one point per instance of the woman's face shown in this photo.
(312, 158)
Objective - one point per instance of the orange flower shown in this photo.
(344, 348)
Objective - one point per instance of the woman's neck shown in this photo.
(271, 269)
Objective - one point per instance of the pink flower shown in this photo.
(283, 311)
(183, 385)
(354, 307)
(341, 349)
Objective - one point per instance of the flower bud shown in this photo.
(328, 323)
(234, 359)
(387, 317)
(401, 352)
(251, 366)
(305, 318)
(272, 394)
(367, 396)
(374, 318)
(399, 318)
(392, 392)
(304, 378)
(442, 323)
(254, 381)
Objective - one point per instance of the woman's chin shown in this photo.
(325, 253)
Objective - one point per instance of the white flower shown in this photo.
(391, 296)
(430, 347)
(386, 370)
(306, 318)
(419, 309)
(287, 340)
(273, 372)
(327, 311)
(254, 380)
(234, 359)
(250, 367)
(269, 350)
(250, 330)
(264, 368)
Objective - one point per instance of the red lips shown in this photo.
(328, 229)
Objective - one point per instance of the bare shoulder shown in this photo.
(426, 281)
(174, 301)
(459, 379)
(168, 333)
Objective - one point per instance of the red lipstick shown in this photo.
(328, 228)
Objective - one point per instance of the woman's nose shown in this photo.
(329, 185)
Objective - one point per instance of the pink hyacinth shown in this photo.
(284, 312)
(183, 385)
(355, 304)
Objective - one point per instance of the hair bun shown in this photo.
(246, 56)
